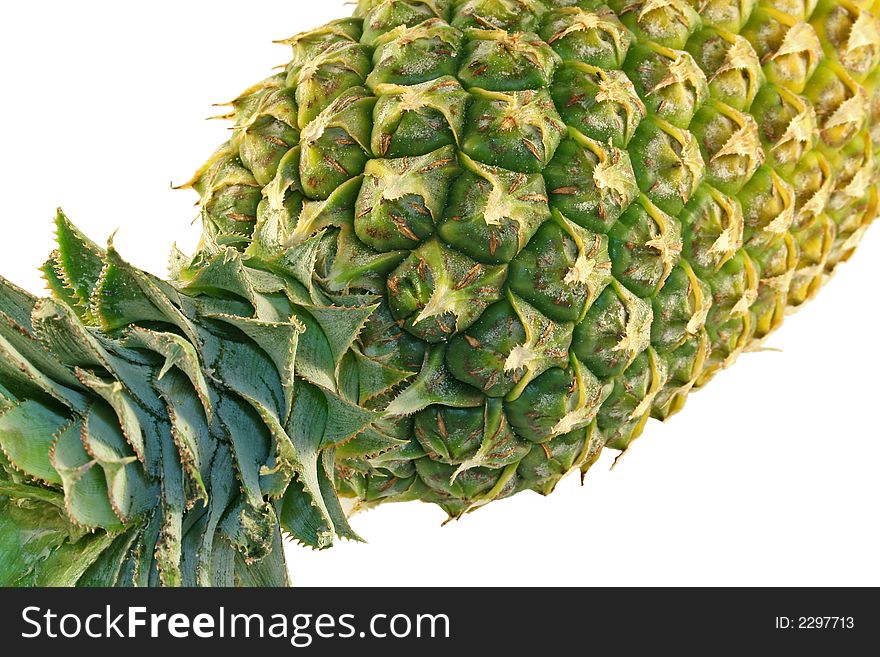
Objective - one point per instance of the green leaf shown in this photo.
(26, 435)
(259, 380)
(129, 491)
(314, 360)
(19, 492)
(344, 419)
(145, 568)
(306, 428)
(113, 393)
(434, 385)
(221, 272)
(106, 568)
(303, 519)
(66, 565)
(341, 326)
(358, 266)
(249, 529)
(211, 571)
(367, 444)
(16, 303)
(63, 334)
(278, 341)
(126, 295)
(23, 379)
(85, 487)
(32, 351)
(331, 498)
(177, 352)
(250, 441)
(271, 570)
(299, 261)
(78, 264)
(189, 428)
(173, 503)
(29, 532)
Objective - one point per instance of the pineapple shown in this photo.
(454, 250)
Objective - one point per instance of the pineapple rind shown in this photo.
(461, 246)
(698, 170)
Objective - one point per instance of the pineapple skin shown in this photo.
(572, 214)
(451, 252)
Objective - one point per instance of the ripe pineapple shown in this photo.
(461, 246)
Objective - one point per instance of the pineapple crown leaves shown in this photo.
(126, 415)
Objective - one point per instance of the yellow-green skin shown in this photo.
(571, 213)
(454, 250)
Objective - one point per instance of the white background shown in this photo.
(769, 476)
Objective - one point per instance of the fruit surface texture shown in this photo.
(461, 247)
